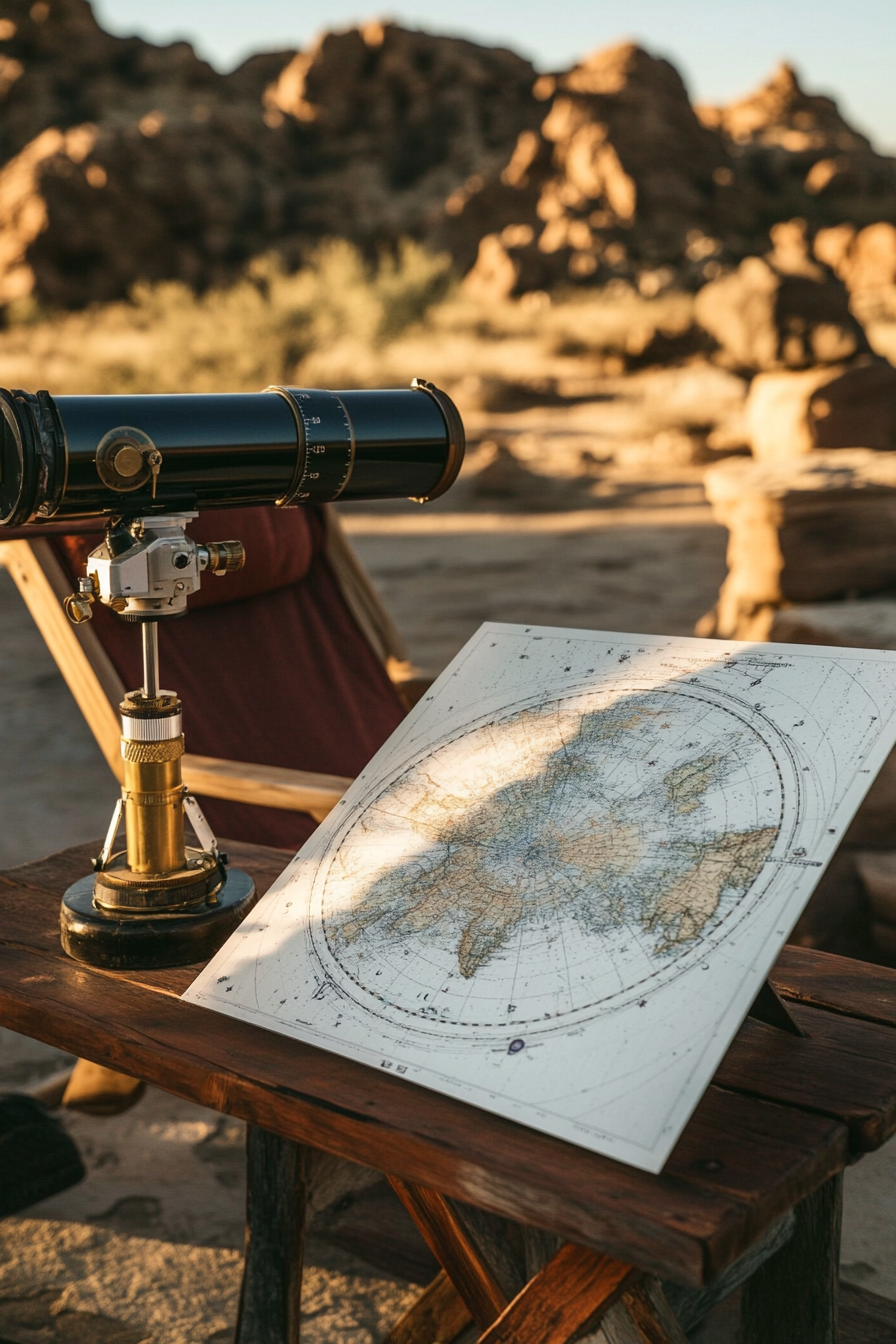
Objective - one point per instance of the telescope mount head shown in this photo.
(147, 568)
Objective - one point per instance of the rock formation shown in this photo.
(799, 156)
(789, 414)
(865, 260)
(86, 213)
(620, 179)
(128, 161)
(59, 68)
(385, 124)
(625, 178)
(790, 320)
(813, 529)
(783, 310)
(121, 161)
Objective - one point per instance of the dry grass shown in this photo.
(337, 322)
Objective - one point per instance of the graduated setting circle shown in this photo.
(554, 863)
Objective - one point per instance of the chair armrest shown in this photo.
(264, 785)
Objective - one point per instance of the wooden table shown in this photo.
(781, 1119)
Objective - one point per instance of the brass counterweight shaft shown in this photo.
(153, 796)
(153, 792)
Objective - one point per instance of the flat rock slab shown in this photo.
(866, 624)
(809, 530)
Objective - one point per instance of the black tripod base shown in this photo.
(146, 942)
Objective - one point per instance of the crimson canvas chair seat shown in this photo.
(271, 664)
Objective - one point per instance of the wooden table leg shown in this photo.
(437, 1317)
(276, 1197)
(792, 1298)
(641, 1316)
(556, 1307)
(570, 1294)
(454, 1250)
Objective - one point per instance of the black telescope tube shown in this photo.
(72, 458)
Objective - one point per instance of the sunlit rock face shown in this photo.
(620, 179)
(123, 161)
(388, 123)
(189, 173)
(126, 161)
(801, 157)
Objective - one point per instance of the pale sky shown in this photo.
(723, 48)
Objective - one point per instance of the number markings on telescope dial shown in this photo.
(329, 445)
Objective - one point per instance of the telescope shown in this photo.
(147, 465)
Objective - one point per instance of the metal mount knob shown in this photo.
(222, 557)
(78, 606)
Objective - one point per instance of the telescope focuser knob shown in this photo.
(78, 606)
(222, 557)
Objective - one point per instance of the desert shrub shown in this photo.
(338, 321)
(262, 329)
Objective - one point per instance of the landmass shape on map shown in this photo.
(510, 856)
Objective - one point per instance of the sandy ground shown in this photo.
(148, 1247)
(650, 570)
(55, 787)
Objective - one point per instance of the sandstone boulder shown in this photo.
(865, 260)
(802, 157)
(813, 529)
(623, 177)
(602, 172)
(789, 414)
(59, 68)
(783, 310)
(124, 161)
(620, 178)
(190, 173)
(86, 213)
(388, 124)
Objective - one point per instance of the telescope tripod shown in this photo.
(157, 902)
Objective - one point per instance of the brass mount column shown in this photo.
(157, 901)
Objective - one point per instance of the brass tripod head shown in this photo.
(158, 901)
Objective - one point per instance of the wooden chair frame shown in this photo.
(98, 689)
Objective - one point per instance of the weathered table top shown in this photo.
(782, 1115)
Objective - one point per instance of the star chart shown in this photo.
(558, 887)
